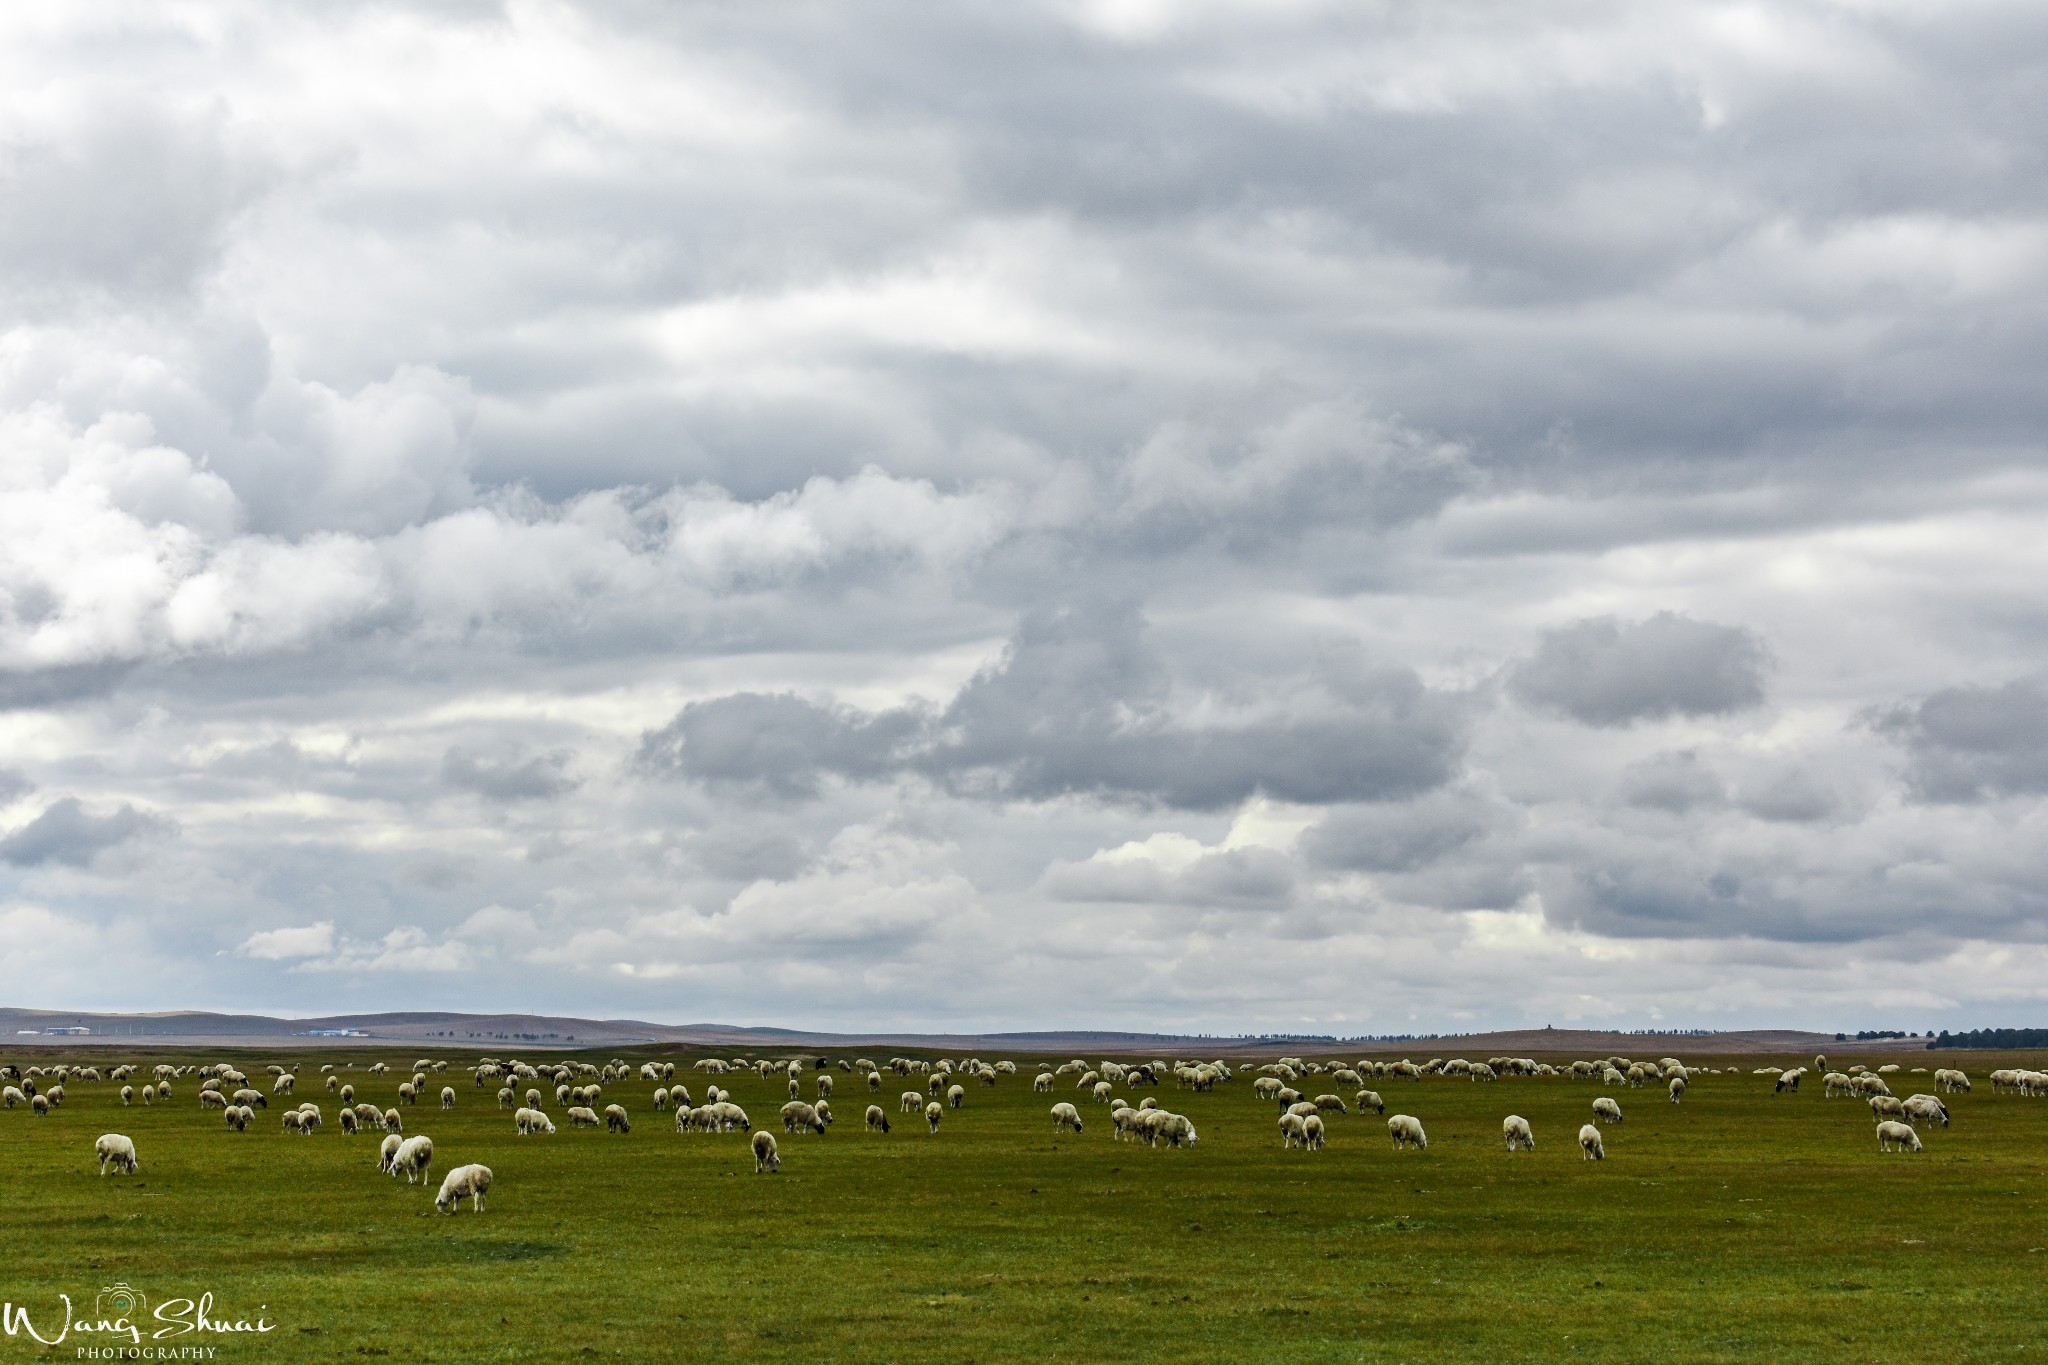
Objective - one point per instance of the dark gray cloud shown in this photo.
(1973, 743)
(66, 832)
(1675, 781)
(1607, 672)
(1081, 705)
(13, 784)
(1402, 836)
(509, 779)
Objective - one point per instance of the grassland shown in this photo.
(1736, 1226)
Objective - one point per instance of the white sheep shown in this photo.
(955, 1094)
(1946, 1079)
(1606, 1110)
(1677, 1089)
(1042, 1082)
(910, 1103)
(582, 1116)
(1312, 1132)
(472, 1180)
(1406, 1131)
(798, 1116)
(387, 1152)
(118, 1151)
(1925, 1109)
(1515, 1129)
(1291, 1134)
(932, 1112)
(1370, 1099)
(1065, 1116)
(877, 1120)
(527, 1122)
(1897, 1137)
(414, 1155)
(392, 1122)
(766, 1158)
(615, 1120)
(448, 1102)
(1590, 1143)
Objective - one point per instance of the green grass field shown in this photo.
(1737, 1225)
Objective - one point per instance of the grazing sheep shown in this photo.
(798, 1116)
(582, 1116)
(1312, 1132)
(118, 1151)
(1265, 1087)
(955, 1094)
(730, 1116)
(1590, 1143)
(369, 1116)
(1291, 1134)
(283, 1084)
(294, 1122)
(1042, 1082)
(238, 1117)
(1897, 1137)
(1406, 1131)
(387, 1152)
(1947, 1080)
(128, 1096)
(1515, 1129)
(348, 1094)
(148, 1094)
(448, 1101)
(527, 1122)
(1065, 1116)
(1887, 1106)
(1100, 1093)
(1835, 1083)
(349, 1123)
(1925, 1109)
(414, 1156)
(472, 1180)
(910, 1103)
(1788, 1080)
(1606, 1110)
(39, 1105)
(508, 1099)
(1677, 1089)
(766, 1158)
(1326, 1104)
(877, 1120)
(932, 1112)
(1370, 1099)
(824, 1083)
(615, 1120)
(392, 1122)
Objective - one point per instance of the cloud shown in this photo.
(1172, 869)
(1676, 781)
(13, 785)
(279, 945)
(1080, 705)
(66, 832)
(1973, 743)
(1605, 672)
(855, 540)
(509, 779)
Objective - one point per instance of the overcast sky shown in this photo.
(1227, 517)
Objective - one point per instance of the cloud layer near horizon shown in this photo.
(1222, 517)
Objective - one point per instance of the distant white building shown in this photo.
(68, 1031)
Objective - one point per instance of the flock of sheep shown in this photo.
(577, 1088)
